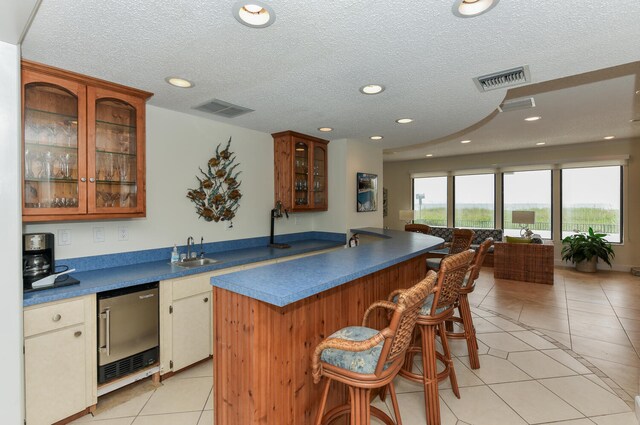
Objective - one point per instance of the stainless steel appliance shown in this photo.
(38, 257)
(127, 330)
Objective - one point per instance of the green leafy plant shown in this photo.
(585, 246)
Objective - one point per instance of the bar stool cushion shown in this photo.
(466, 281)
(433, 263)
(364, 362)
(426, 307)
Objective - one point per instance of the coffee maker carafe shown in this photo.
(38, 258)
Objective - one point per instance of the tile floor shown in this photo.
(562, 354)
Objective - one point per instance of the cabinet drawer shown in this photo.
(189, 286)
(43, 319)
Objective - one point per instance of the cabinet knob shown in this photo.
(56, 317)
(206, 299)
(83, 179)
(77, 334)
(92, 180)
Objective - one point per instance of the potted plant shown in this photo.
(584, 249)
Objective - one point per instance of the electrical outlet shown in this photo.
(123, 233)
(64, 237)
(98, 234)
(297, 220)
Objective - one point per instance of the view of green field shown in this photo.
(579, 218)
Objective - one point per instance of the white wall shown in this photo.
(398, 181)
(177, 144)
(347, 158)
(11, 390)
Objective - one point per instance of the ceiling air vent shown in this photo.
(503, 79)
(223, 109)
(515, 104)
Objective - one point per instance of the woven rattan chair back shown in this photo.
(476, 265)
(453, 269)
(461, 240)
(403, 320)
(417, 228)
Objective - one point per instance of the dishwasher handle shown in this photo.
(106, 315)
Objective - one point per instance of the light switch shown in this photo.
(64, 237)
(98, 234)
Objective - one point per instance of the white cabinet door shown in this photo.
(55, 375)
(191, 329)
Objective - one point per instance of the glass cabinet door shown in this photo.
(301, 175)
(114, 157)
(53, 150)
(319, 176)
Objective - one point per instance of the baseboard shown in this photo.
(601, 266)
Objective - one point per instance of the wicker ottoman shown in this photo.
(526, 262)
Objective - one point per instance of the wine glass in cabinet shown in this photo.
(54, 146)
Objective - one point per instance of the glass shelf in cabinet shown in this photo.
(117, 182)
(107, 123)
(50, 113)
(47, 145)
(116, 152)
(50, 180)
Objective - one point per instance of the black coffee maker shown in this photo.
(38, 258)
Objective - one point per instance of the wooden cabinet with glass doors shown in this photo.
(301, 180)
(83, 150)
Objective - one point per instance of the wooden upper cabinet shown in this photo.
(301, 180)
(83, 147)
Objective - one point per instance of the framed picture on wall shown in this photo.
(367, 192)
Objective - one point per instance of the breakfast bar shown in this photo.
(268, 320)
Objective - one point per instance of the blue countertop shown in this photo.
(285, 283)
(106, 279)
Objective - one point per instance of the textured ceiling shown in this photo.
(304, 71)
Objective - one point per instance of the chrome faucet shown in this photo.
(189, 245)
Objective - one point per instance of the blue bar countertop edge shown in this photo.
(106, 279)
(284, 283)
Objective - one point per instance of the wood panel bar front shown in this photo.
(262, 358)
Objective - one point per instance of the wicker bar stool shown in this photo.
(460, 242)
(465, 319)
(417, 228)
(438, 308)
(365, 359)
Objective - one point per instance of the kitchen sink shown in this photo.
(195, 262)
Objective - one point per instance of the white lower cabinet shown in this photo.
(191, 329)
(60, 359)
(185, 322)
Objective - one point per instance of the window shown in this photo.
(591, 197)
(430, 200)
(527, 191)
(475, 201)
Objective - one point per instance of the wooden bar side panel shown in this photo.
(262, 359)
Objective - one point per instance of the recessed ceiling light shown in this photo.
(372, 89)
(179, 82)
(541, 143)
(429, 155)
(609, 137)
(464, 142)
(376, 137)
(635, 120)
(637, 91)
(254, 14)
(471, 8)
(325, 129)
(404, 120)
(532, 118)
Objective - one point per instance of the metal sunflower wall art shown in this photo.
(218, 195)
